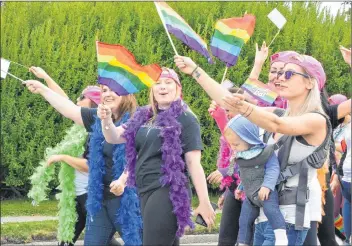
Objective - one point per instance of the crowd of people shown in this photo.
(285, 168)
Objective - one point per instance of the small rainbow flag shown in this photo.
(260, 91)
(119, 70)
(177, 26)
(229, 37)
(339, 224)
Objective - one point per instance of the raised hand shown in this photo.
(346, 53)
(261, 54)
(185, 64)
(38, 72)
(34, 86)
(104, 112)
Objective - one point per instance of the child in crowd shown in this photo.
(259, 171)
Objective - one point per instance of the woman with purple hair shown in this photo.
(163, 144)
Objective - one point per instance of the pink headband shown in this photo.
(93, 93)
(171, 74)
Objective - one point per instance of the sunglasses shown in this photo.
(81, 97)
(289, 74)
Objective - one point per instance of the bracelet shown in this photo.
(107, 127)
(250, 112)
(194, 70)
(246, 110)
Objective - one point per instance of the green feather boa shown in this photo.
(72, 145)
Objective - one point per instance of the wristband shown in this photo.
(194, 70)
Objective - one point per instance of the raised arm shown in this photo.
(77, 163)
(306, 124)
(113, 134)
(41, 74)
(260, 57)
(198, 178)
(64, 106)
(211, 87)
(344, 109)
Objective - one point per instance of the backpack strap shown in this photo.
(279, 112)
(315, 160)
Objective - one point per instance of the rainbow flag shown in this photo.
(119, 70)
(177, 26)
(339, 224)
(229, 37)
(260, 91)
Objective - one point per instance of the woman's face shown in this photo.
(274, 68)
(109, 98)
(295, 86)
(164, 91)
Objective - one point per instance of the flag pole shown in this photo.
(20, 64)
(167, 33)
(223, 77)
(13, 76)
(274, 37)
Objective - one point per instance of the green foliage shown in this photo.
(60, 37)
(25, 208)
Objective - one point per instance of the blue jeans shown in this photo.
(250, 212)
(295, 237)
(346, 211)
(264, 235)
(102, 227)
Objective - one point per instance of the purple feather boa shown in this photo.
(173, 165)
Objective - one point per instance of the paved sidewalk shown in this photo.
(10, 219)
(204, 239)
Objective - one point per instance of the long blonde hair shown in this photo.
(311, 103)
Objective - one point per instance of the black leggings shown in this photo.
(326, 230)
(229, 225)
(81, 220)
(159, 222)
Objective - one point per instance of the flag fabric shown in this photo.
(229, 37)
(260, 91)
(277, 18)
(119, 70)
(5, 65)
(177, 26)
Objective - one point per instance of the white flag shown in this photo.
(227, 84)
(277, 18)
(5, 64)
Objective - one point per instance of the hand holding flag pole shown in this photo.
(20, 65)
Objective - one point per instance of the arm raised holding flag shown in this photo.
(41, 74)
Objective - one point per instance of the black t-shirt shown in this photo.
(332, 113)
(88, 118)
(149, 155)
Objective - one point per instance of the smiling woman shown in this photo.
(110, 206)
(163, 146)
